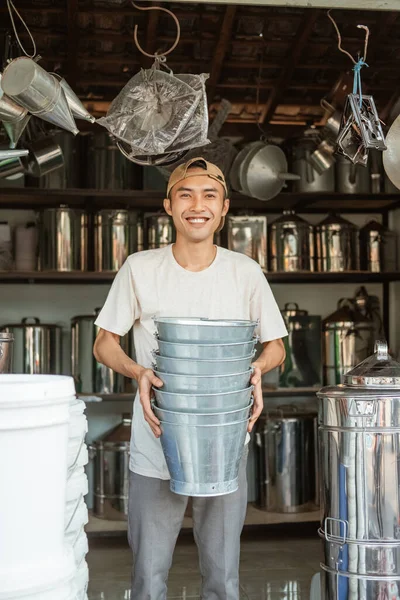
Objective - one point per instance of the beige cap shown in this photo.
(210, 170)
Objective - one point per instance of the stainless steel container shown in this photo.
(202, 418)
(68, 175)
(111, 473)
(207, 351)
(303, 345)
(37, 347)
(90, 376)
(204, 384)
(310, 181)
(286, 461)
(378, 248)
(350, 178)
(204, 331)
(115, 238)
(248, 235)
(109, 169)
(159, 231)
(6, 351)
(63, 239)
(336, 245)
(291, 244)
(209, 403)
(348, 338)
(190, 366)
(359, 442)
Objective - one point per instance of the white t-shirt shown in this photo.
(152, 283)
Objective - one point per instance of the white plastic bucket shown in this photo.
(75, 517)
(77, 485)
(77, 431)
(34, 415)
(82, 580)
(79, 543)
(81, 459)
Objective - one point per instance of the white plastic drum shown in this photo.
(34, 416)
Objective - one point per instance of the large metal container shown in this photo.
(203, 460)
(68, 175)
(189, 366)
(206, 403)
(37, 347)
(359, 442)
(109, 169)
(378, 248)
(336, 245)
(303, 345)
(350, 178)
(207, 351)
(115, 238)
(348, 338)
(6, 351)
(63, 239)
(291, 244)
(202, 418)
(204, 331)
(204, 384)
(111, 472)
(310, 181)
(248, 235)
(91, 376)
(286, 460)
(159, 231)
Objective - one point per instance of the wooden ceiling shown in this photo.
(286, 58)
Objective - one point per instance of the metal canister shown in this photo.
(159, 231)
(286, 460)
(115, 238)
(63, 239)
(336, 245)
(378, 248)
(359, 441)
(6, 351)
(291, 244)
(348, 338)
(248, 235)
(350, 178)
(111, 456)
(90, 376)
(310, 180)
(37, 347)
(110, 170)
(303, 345)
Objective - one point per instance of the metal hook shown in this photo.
(178, 30)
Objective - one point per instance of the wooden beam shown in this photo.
(295, 53)
(72, 41)
(220, 50)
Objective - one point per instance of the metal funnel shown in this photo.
(75, 105)
(39, 92)
(13, 116)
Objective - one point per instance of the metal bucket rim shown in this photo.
(193, 415)
(212, 425)
(254, 340)
(163, 373)
(248, 389)
(157, 354)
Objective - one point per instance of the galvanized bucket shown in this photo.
(203, 460)
(204, 331)
(204, 384)
(207, 351)
(181, 418)
(203, 403)
(190, 366)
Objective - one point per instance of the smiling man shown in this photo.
(191, 278)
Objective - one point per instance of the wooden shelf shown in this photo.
(82, 277)
(91, 199)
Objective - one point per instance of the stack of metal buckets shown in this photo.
(205, 403)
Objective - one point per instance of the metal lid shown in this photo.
(289, 216)
(5, 336)
(378, 370)
(336, 220)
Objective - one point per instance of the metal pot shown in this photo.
(115, 238)
(91, 377)
(248, 235)
(63, 239)
(336, 245)
(359, 437)
(37, 347)
(350, 178)
(310, 180)
(109, 170)
(348, 338)
(291, 244)
(303, 345)
(286, 460)
(378, 248)
(6, 351)
(159, 231)
(111, 472)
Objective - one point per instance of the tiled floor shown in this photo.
(273, 567)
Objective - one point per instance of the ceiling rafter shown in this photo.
(221, 50)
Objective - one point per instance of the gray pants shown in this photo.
(155, 519)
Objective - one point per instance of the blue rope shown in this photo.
(357, 78)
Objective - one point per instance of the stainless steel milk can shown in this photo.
(116, 236)
(63, 239)
(291, 244)
(359, 444)
(337, 245)
(6, 351)
(248, 235)
(378, 248)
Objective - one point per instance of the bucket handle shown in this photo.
(72, 467)
(25, 320)
(74, 512)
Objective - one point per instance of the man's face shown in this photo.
(197, 205)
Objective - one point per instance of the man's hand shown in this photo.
(145, 380)
(258, 397)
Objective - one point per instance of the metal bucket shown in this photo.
(189, 366)
(207, 351)
(45, 156)
(206, 403)
(159, 231)
(115, 238)
(6, 351)
(248, 235)
(204, 331)
(201, 384)
(181, 418)
(63, 239)
(203, 460)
